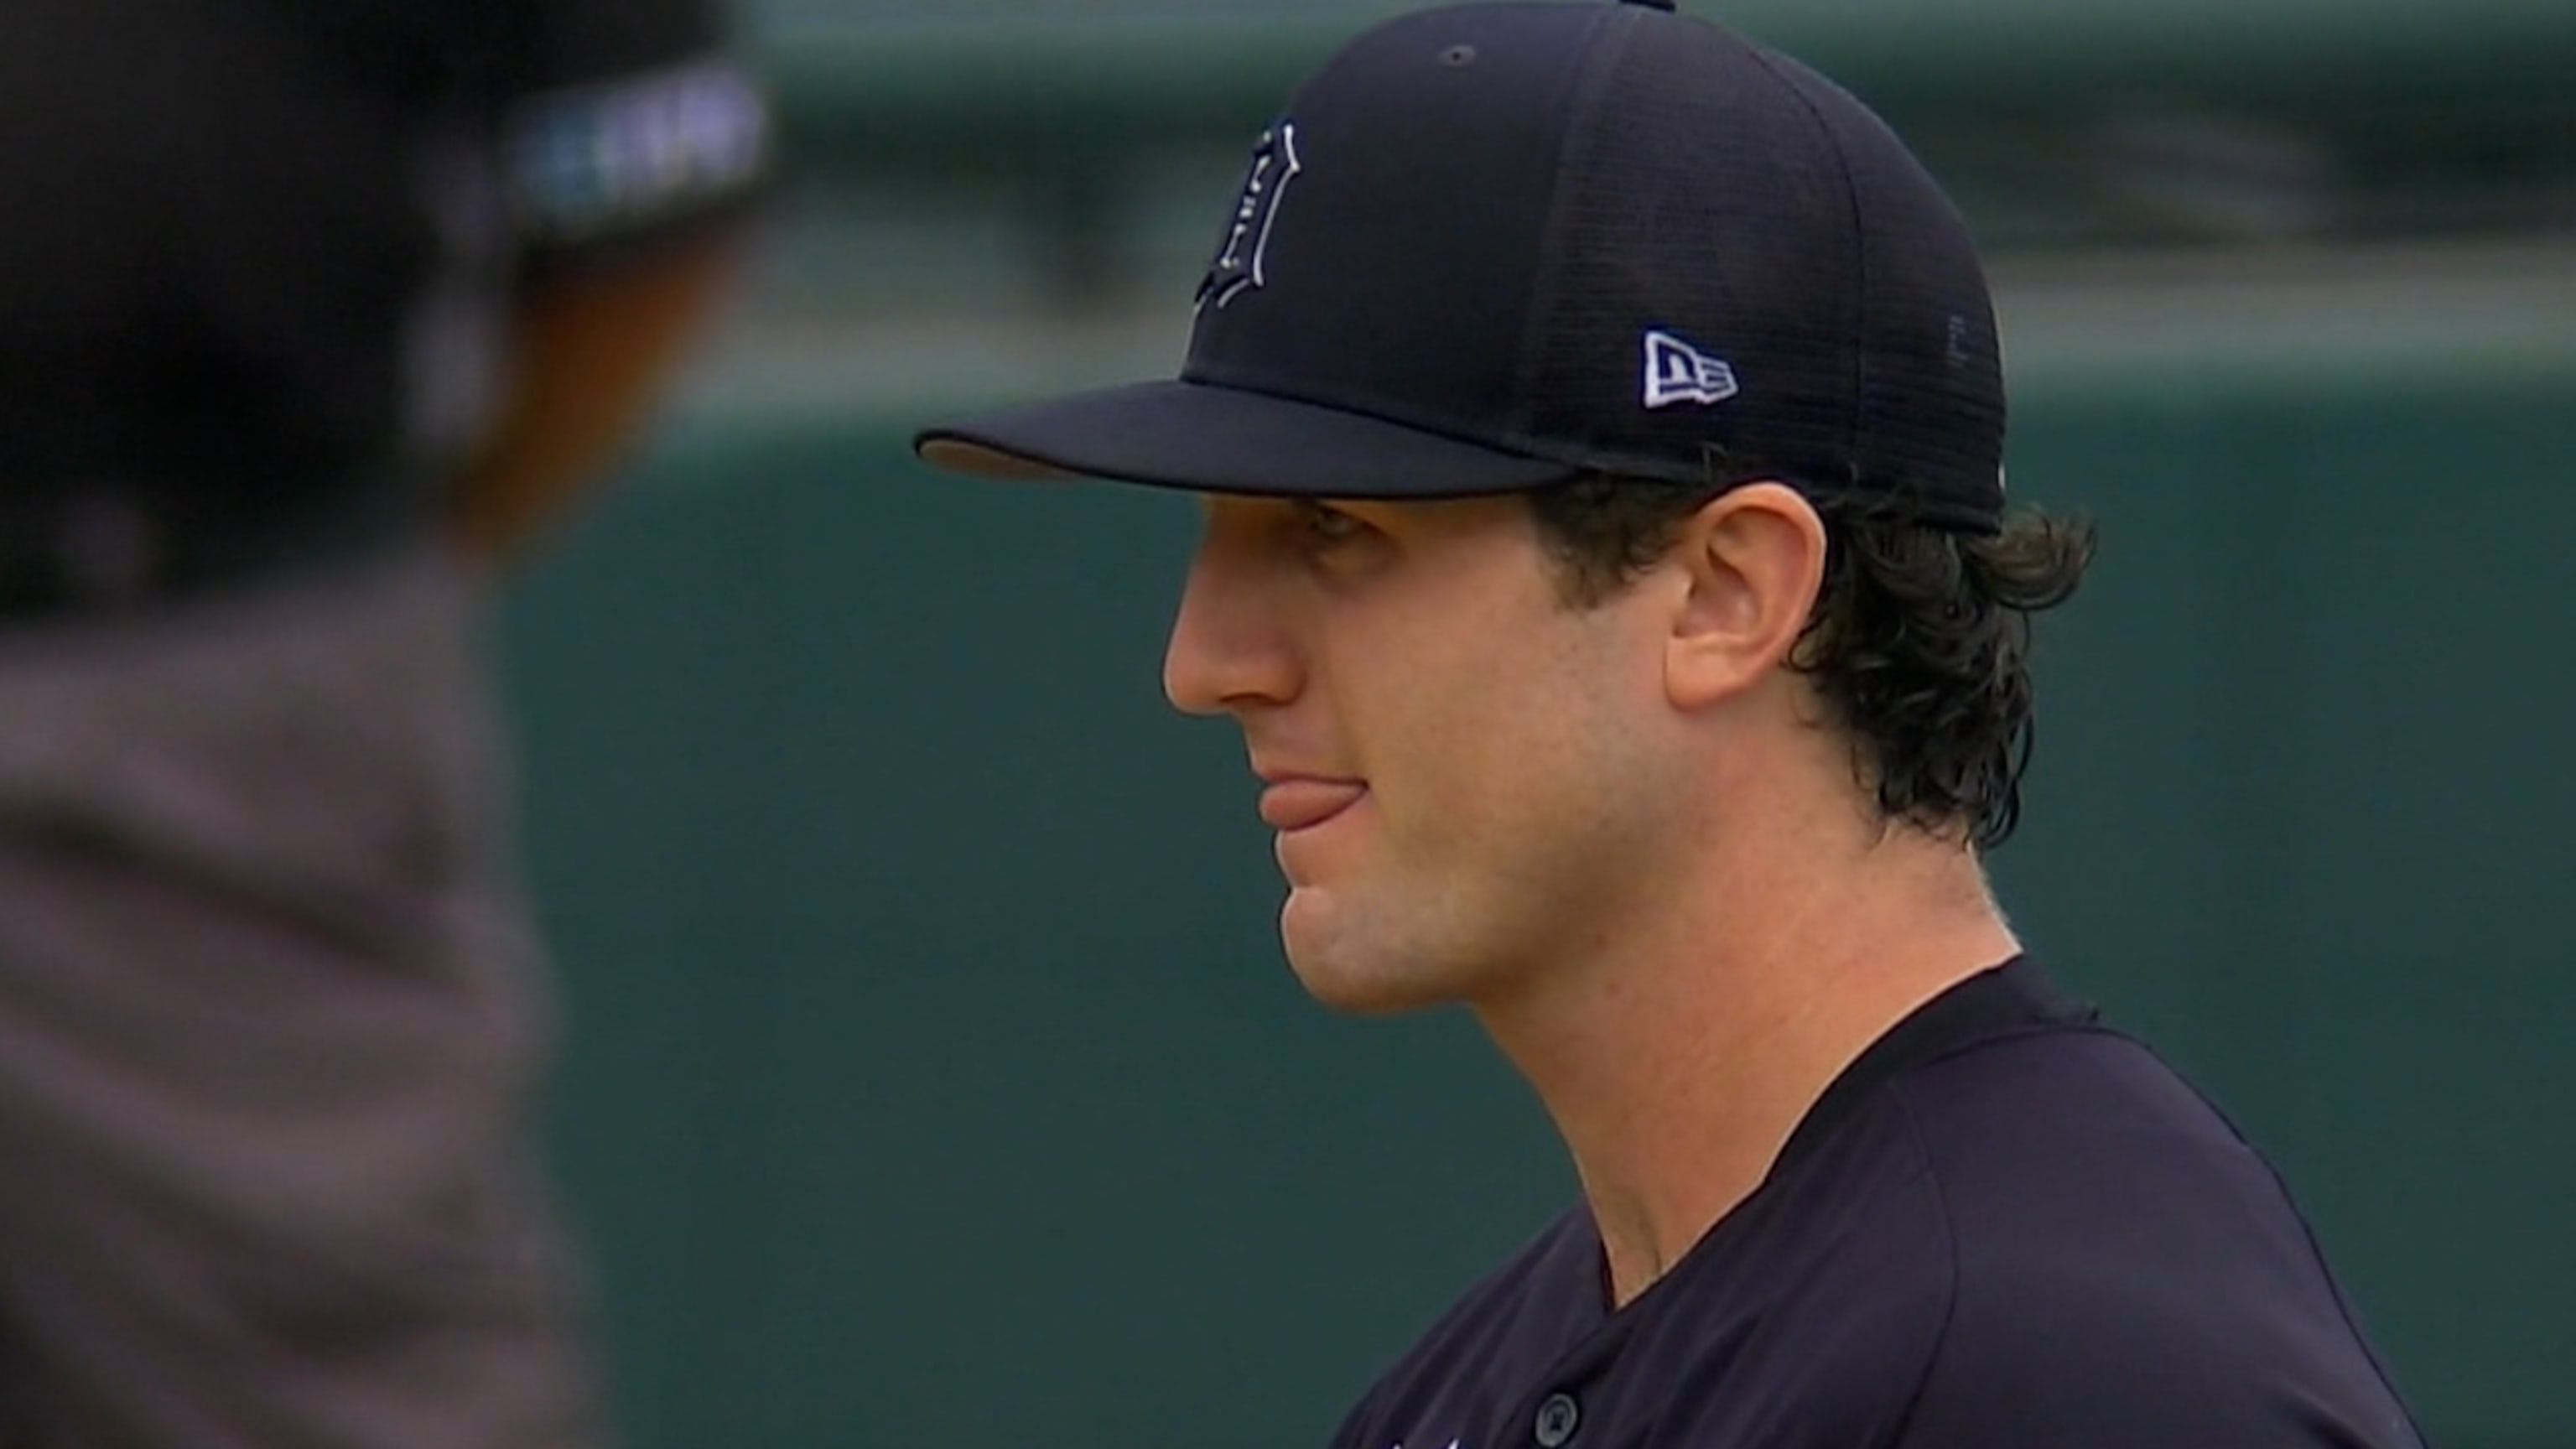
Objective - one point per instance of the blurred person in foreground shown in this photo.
(311, 315)
(1607, 560)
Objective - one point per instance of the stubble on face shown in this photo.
(1512, 792)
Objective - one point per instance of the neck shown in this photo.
(1678, 1060)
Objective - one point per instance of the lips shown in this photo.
(1301, 803)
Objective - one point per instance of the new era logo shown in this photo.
(1677, 372)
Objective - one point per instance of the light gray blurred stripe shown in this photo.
(2218, 322)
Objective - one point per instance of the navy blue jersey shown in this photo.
(2004, 1225)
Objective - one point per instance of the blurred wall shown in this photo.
(932, 1072)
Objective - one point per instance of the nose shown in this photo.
(1229, 649)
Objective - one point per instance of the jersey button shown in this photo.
(1557, 1416)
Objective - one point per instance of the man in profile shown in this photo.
(1607, 561)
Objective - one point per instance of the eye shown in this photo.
(1325, 524)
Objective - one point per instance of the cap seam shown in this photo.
(1860, 262)
(1600, 62)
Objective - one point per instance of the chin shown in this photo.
(1354, 971)
(1354, 994)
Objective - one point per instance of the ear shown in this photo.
(1753, 559)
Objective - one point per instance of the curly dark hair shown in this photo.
(1919, 643)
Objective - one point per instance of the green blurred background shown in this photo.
(931, 1072)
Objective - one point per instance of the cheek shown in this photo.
(1515, 793)
(1519, 756)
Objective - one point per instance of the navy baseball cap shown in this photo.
(1497, 246)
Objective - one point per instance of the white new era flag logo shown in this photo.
(1677, 372)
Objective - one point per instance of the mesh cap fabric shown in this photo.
(1490, 247)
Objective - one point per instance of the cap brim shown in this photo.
(1212, 439)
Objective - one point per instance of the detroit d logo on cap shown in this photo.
(1239, 262)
